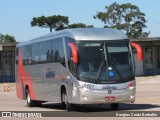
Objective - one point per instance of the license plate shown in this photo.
(109, 98)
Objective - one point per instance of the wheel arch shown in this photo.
(63, 88)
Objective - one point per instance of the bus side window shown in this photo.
(23, 58)
(49, 51)
(27, 54)
(57, 56)
(59, 51)
(35, 53)
(68, 49)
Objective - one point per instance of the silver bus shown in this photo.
(77, 66)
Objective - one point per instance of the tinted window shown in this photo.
(59, 51)
(35, 53)
(48, 51)
(104, 62)
(43, 52)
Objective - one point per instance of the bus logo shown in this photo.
(109, 87)
(109, 91)
(50, 73)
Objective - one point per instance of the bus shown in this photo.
(77, 66)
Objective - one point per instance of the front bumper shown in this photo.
(98, 97)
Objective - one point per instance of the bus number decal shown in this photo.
(88, 86)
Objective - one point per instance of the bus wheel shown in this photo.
(114, 106)
(38, 103)
(30, 102)
(65, 101)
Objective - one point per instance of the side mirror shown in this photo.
(74, 52)
(139, 50)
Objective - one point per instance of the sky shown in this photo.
(16, 15)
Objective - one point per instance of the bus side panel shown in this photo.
(61, 74)
(47, 79)
(41, 77)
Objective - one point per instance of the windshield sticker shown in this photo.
(111, 73)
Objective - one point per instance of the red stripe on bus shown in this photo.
(31, 87)
(19, 76)
(22, 77)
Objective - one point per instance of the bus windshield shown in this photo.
(101, 62)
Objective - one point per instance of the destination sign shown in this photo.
(91, 45)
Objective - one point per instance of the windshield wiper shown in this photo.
(99, 70)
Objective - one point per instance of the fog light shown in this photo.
(85, 98)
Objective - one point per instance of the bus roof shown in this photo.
(82, 34)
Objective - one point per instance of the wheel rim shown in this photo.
(28, 98)
(65, 98)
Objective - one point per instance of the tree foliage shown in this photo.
(6, 38)
(80, 25)
(56, 22)
(126, 17)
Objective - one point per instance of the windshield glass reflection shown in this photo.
(104, 61)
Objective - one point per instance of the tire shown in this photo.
(83, 108)
(63, 99)
(30, 102)
(68, 106)
(114, 106)
(38, 103)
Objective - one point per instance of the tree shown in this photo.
(80, 25)
(126, 17)
(56, 22)
(7, 38)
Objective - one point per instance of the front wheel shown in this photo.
(63, 99)
(69, 107)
